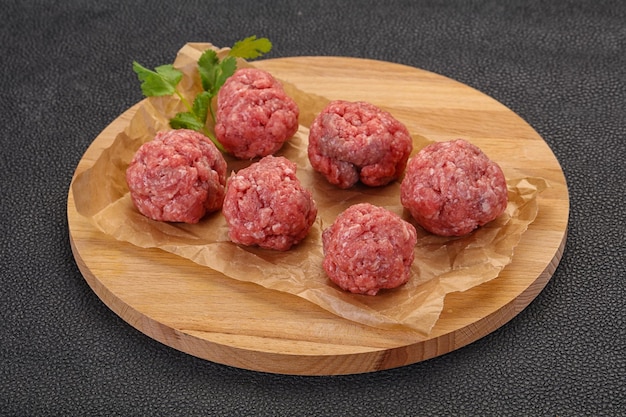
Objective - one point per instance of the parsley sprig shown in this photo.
(164, 80)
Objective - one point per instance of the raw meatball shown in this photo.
(265, 205)
(254, 114)
(451, 188)
(368, 248)
(352, 141)
(179, 176)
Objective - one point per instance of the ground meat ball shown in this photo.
(265, 205)
(368, 248)
(451, 188)
(179, 176)
(352, 141)
(254, 114)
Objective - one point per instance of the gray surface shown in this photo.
(66, 75)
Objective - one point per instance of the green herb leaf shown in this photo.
(186, 120)
(160, 82)
(207, 67)
(213, 72)
(201, 106)
(251, 48)
(227, 68)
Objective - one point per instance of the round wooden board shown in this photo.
(195, 310)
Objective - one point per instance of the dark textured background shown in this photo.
(66, 75)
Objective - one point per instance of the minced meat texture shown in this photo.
(451, 188)
(266, 205)
(255, 116)
(179, 176)
(368, 248)
(357, 141)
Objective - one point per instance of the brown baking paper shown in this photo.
(442, 265)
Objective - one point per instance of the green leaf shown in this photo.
(226, 68)
(207, 66)
(186, 120)
(160, 82)
(251, 48)
(201, 106)
(213, 72)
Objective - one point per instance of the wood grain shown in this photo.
(198, 311)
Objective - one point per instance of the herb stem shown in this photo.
(184, 100)
(209, 135)
(212, 112)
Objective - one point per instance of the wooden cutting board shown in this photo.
(239, 324)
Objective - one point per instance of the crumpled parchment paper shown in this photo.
(442, 265)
